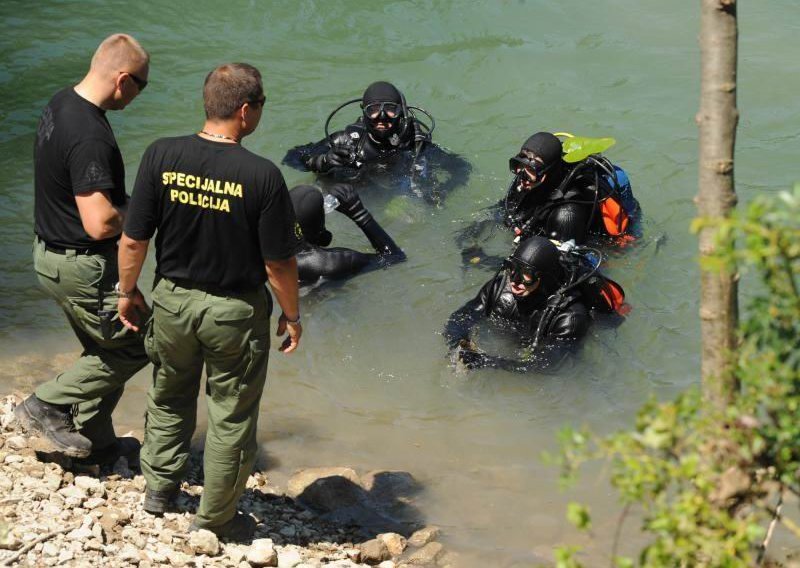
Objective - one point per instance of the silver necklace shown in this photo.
(221, 136)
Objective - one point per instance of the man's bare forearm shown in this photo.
(282, 276)
(131, 259)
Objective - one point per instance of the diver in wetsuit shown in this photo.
(543, 295)
(561, 201)
(389, 136)
(314, 260)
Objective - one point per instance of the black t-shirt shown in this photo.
(75, 152)
(219, 209)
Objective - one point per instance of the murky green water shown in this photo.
(371, 387)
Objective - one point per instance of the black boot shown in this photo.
(159, 502)
(126, 447)
(55, 424)
(240, 528)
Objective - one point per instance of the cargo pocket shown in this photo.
(109, 329)
(150, 343)
(252, 381)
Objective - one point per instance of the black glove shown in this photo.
(336, 157)
(350, 203)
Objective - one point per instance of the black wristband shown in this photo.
(283, 315)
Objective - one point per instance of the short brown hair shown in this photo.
(119, 52)
(228, 87)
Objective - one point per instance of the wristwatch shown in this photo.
(121, 294)
(291, 321)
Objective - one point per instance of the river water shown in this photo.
(371, 386)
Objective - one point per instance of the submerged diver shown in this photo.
(544, 294)
(388, 132)
(314, 260)
(562, 201)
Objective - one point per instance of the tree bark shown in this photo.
(717, 120)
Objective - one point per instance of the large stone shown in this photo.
(289, 558)
(262, 553)
(394, 542)
(72, 492)
(81, 534)
(16, 443)
(426, 555)
(424, 535)
(374, 552)
(90, 485)
(387, 486)
(204, 542)
(326, 488)
(128, 553)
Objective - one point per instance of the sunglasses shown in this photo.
(518, 271)
(374, 110)
(533, 168)
(259, 102)
(140, 83)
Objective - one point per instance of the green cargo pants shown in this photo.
(81, 284)
(230, 334)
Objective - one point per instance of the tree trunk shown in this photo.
(717, 122)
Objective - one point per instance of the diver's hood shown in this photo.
(308, 208)
(384, 92)
(543, 259)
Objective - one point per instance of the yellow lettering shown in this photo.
(183, 196)
(204, 199)
(181, 179)
(173, 194)
(238, 190)
(224, 206)
(165, 178)
(190, 179)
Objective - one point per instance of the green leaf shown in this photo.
(579, 148)
(578, 515)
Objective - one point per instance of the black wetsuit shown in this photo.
(427, 171)
(567, 320)
(336, 263)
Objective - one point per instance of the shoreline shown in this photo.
(52, 513)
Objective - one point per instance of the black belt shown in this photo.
(98, 249)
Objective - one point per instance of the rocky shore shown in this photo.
(54, 513)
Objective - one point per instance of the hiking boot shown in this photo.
(127, 447)
(55, 424)
(240, 528)
(159, 502)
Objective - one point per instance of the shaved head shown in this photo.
(119, 52)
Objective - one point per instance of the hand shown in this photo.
(133, 311)
(295, 331)
(350, 203)
(339, 156)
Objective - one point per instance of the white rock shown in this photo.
(16, 443)
(72, 492)
(386, 564)
(262, 553)
(93, 503)
(289, 558)
(50, 549)
(13, 458)
(65, 556)
(204, 542)
(82, 533)
(396, 543)
(129, 553)
(90, 485)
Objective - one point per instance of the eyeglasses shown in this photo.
(533, 168)
(140, 83)
(374, 110)
(517, 272)
(260, 102)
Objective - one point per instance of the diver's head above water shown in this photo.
(308, 208)
(538, 160)
(383, 107)
(534, 268)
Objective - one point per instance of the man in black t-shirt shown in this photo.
(224, 225)
(79, 206)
